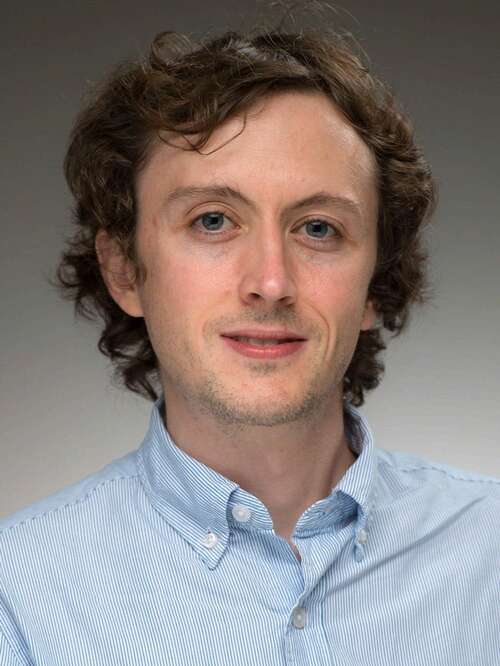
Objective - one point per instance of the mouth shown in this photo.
(261, 342)
(264, 348)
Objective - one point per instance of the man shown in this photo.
(249, 220)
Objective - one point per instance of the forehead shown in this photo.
(287, 144)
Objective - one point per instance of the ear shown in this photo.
(118, 273)
(369, 317)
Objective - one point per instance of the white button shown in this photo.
(362, 536)
(241, 513)
(299, 617)
(210, 540)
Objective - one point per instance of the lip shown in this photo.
(271, 334)
(265, 353)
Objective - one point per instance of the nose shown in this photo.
(267, 274)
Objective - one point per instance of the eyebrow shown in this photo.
(320, 198)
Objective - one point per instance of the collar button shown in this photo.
(210, 540)
(241, 513)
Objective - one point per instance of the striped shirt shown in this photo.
(157, 559)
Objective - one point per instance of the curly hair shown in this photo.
(191, 88)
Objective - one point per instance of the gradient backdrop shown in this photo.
(61, 418)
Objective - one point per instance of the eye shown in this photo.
(321, 227)
(210, 222)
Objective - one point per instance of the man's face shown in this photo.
(216, 263)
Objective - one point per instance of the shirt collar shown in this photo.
(203, 505)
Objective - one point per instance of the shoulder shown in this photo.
(413, 466)
(89, 492)
(423, 484)
(57, 536)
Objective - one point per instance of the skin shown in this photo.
(274, 427)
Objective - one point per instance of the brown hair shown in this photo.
(191, 88)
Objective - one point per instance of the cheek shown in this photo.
(338, 290)
(180, 290)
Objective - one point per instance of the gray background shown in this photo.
(61, 418)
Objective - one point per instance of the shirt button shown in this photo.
(362, 536)
(299, 617)
(210, 540)
(241, 513)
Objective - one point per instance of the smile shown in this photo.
(264, 349)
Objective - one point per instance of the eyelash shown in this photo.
(319, 241)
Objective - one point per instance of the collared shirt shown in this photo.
(157, 559)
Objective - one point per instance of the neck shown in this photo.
(287, 467)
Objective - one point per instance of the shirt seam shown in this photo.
(78, 500)
(21, 660)
(440, 469)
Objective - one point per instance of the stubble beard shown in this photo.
(209, 395)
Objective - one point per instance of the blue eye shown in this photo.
(211, 221)
(315, 227)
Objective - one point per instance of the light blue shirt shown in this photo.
(159, 560)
